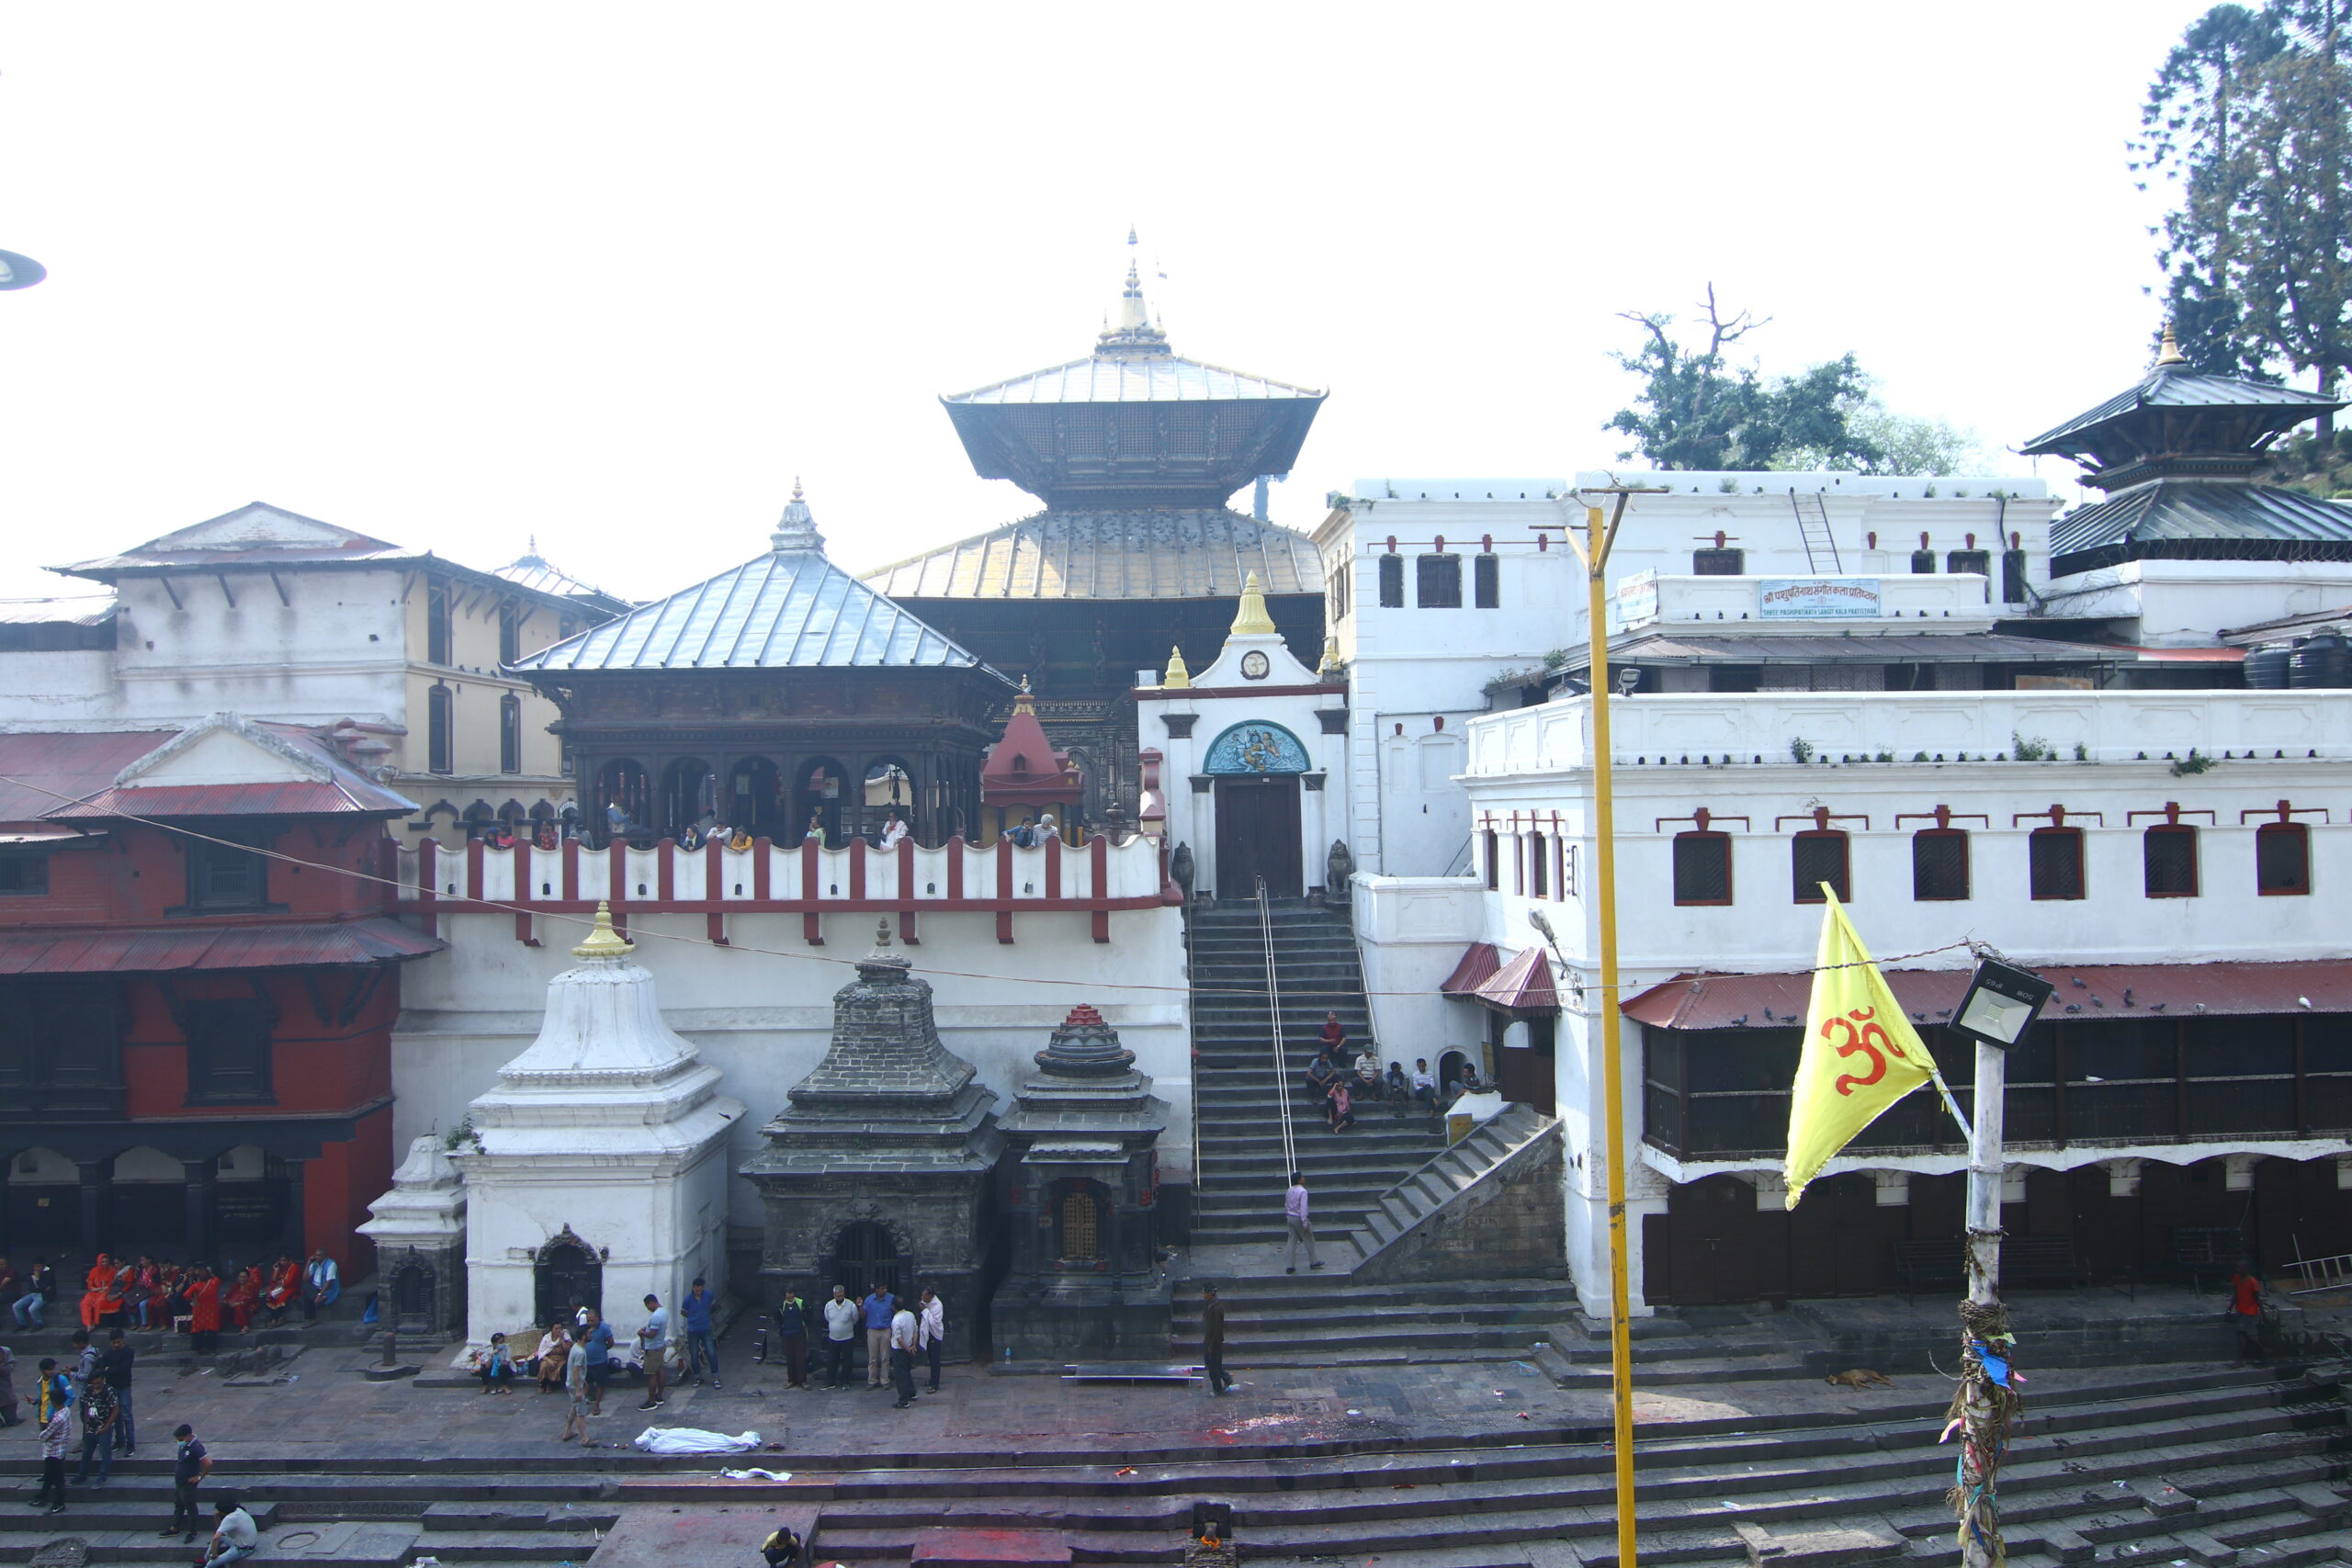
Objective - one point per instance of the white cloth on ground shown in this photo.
(690, 1440)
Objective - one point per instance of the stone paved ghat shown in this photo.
(2218, 1466)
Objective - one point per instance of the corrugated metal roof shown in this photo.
(1152, 380)
(1162, 552)
(2286, 626)
(1478, 965)
(2192, 509)
(80, 610)
(1866, 647)
(2096, 993)
(119, 950)
(535, 572)
(785, 610)
(39, 773)
(2170, 387)
(286, 797)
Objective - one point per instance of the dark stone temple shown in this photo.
(2176, 454)
(780, 692)
(1134, 452)
(1079, 1192)
(879, 1167)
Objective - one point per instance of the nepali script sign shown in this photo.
(1817, 598)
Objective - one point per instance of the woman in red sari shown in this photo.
(204, 1311)
(285, 1287)
(94, 1290)
(244, 1298)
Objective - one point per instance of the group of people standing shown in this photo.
(575, 1355)
(897, 1333)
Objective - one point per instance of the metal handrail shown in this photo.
(1274, 1017)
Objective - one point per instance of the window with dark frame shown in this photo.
(1437, 582)
(1816, 856)
(23, 875)
(436, 624)
(1518, 865)
(1923, 563)
(440, 731)
(2054, 863)
(1539, 868)
(1718, 563)
(1702, 868)
(510, 734)
(1959, 562)
(1940, 865)
(2168, 861)
(509, 632)
(2012, 577)
(2282, 860)
(1392, 582)
(1493, 847)
(1486, 580)
(229, 1051)
(224, 877)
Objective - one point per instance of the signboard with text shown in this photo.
(1636, 600)
(1817, 598)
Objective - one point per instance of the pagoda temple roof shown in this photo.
(1099, 379)
(790, 609)
(1151, 552)
(2183, 511)
(2176, 386)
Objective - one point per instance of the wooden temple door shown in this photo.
(1257, 835)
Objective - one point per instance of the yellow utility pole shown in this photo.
(1600, 537)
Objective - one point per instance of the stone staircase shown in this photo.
(2215, 1466)
(1238, 1195)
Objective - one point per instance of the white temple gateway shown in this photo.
(593, 1171)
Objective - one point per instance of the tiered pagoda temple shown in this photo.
(1134, 452)
(2176, 454)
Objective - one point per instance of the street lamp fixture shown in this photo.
(2002, 1002)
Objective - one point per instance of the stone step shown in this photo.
(506, 1546)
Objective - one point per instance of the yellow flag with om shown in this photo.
(1860, 1052)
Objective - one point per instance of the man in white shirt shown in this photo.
(932, 1330)
(653, 1349)
(841, 1338)
(234, 1538)
(1424, 1086)
(904, 1334)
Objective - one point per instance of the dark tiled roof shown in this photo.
(2169, 388)
(1158, 552)
(786, 610)
(133, 951)
(1153, 380)
(2179, 509)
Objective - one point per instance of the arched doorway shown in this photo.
(890, 786)
(689, 796)
(864, 1252)
(621, 783)
(1082, 1225)
(1256, 767)
(568, 1276)
(817, 800)
(753, 803)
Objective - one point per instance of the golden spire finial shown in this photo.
(603, 941)
(1330, 668)
(2169, 353)
(1023, 701)
(1177, 676)
(1250, 619)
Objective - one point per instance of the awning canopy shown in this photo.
(2087, 994)
(1520, 985)
(150, 951)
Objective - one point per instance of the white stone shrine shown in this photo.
(595, 1170)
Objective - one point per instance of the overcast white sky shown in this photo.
(456, 274)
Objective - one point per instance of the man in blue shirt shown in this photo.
(879, 1307)
(599, 1346)
(695, 1313)
(792, 1338)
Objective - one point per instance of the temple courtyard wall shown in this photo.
(761, 1009)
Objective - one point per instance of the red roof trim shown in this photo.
(1478, 965)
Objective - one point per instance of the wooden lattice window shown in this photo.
(1702, 868)
(2168, 853)
(1939, 865)
(2054, 857)
(2282, 859)
(1080, 1226)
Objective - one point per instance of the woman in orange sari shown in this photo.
(94, 1290)
(204, 1311)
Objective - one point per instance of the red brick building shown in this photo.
(196, 1003)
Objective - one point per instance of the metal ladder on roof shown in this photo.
(1812, 527)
